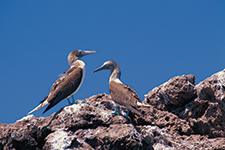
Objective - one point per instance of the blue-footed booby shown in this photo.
(68, 83)
(121, 94)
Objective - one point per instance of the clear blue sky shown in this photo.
(152, 41)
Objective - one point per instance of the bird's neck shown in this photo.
(115, 75)
(78, 63)
(72, 60)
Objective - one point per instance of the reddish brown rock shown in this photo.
(206, 113)
(200, 108)
(78, 126)
(27, 133)
(183, 116)
(174, 93)
(123, 136)
(161, 139)
(164, 119)
(212, 88)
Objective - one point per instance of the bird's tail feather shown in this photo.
(134, 111)
(39, 106)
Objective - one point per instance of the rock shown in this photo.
(166, 120)
(160, 139)
(206, 113)
(92, 128)
(199, 109)
(174, 93)
(78, 126)
(212, 88)
(183, 116)
(27, 133)
(98, 138)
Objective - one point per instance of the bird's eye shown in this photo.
(79, 53)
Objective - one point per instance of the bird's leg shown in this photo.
(127, 113)
(73, 101)
(114, 112)
(69, 101)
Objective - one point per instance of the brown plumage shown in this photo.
(64, 86)
(125, 96)
(121, 93)
(69, 83)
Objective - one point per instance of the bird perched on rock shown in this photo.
(121, 94)
(69, 82)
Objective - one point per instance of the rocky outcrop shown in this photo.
(174, 93)
(79, 126)
(201, 107)
(183, 116)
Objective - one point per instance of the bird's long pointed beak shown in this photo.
(88, 52)
(98, 69)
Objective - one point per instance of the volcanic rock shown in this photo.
(183, 116)
(174, 93)
(199, 109)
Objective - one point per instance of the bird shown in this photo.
(121, 94)
(68, 83)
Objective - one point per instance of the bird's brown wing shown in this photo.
(133, 92)
(59, 81)
(124, 95)
(65, 86)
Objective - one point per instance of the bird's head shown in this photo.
(78, 54)
(108, 65)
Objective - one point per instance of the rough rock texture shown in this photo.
(183, 116)
(201, 107)
(174, 93)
